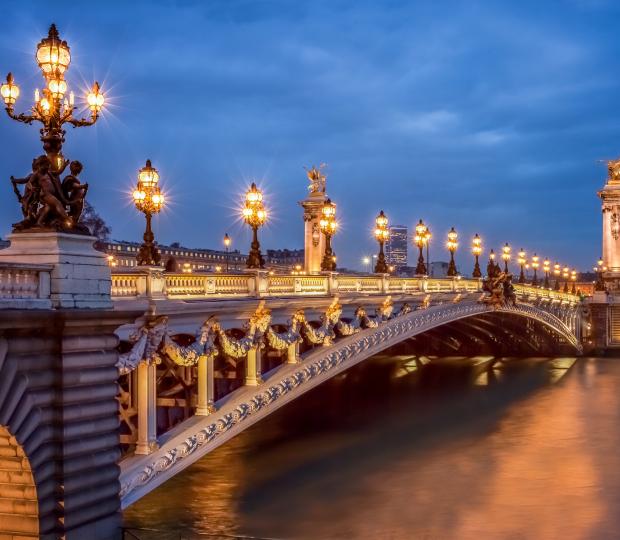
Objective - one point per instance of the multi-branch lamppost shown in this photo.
(452, 244)
(506, 256)
(573, 278)
(227, 242)
(45, 199)
(556, 273)
(476, 249)
(535, 265)
(522, 261)
(546, 268)
(600, 282)
(328, 225)
(51, 108)
(149, 200)
(255, 215)
(421, 238)
(382, 234)
(565, 275)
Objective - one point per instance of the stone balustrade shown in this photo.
(196, 286)
(24, 286)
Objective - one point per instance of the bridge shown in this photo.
(191, 360)
(112, 382)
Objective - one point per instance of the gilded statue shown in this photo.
(613, 169)
(316, 178)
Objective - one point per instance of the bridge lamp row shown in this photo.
(382, 235)
(255, 215)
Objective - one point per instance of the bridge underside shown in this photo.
(495, 334)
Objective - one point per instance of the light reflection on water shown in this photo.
(401, 447)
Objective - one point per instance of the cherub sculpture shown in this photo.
(46, 202)
(74, 191)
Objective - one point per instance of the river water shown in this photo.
(407, 448)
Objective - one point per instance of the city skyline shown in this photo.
(439, 136)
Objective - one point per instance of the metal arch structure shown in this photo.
(199, 435)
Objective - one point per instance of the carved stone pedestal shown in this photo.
(80, 276)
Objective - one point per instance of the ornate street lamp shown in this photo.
(255, 215)
(427, 242)
(556, 273)
(149, 200)
(600, 283)
(522, 261)
(382, 234)
(52, 109)
(476, 249)
(506, 256)
(44, 205)
(328, 226)
(491, 264)
(565, 275)
(573, 278)
(546, 267)
(535, 265)
(227, 242)
(421, 238)
(452, 244)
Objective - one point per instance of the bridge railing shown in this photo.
(25, 286)
(195, 286)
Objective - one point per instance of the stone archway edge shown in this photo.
(199, 435)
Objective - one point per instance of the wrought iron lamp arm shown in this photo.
(81, 122)
(22, 117)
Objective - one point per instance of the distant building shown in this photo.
(202, 260)
(284, 259)
(396, 249)
(124, 256)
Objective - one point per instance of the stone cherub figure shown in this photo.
(46, 202)
(74, 191)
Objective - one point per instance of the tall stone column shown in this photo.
(610, 199)
(314, 241)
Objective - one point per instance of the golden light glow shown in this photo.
(422, 234)
(328, 222)
(476, 245)
(53, 55)
(452, 242)
(492, 255)
(95, 99)
(147, 196)
(506, 252)
(521, 257)
(556, 269)
(535, 263)
(57, 88)
(573, 274)
(565, 272)
(9, 91)
(382, 232)
(546, 265)
(227, 240)
(254, 213)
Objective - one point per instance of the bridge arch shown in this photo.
(19, 508)
(189, 441)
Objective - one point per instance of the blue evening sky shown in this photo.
(488, 116)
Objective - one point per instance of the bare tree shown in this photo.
(96, 225)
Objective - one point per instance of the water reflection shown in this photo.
(406, 447)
